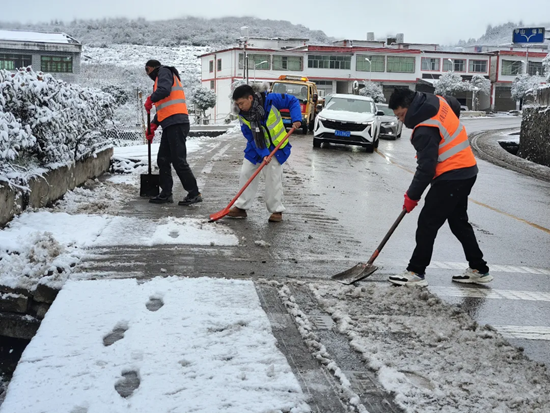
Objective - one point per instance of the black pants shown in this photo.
(172, 151)
(446, 201)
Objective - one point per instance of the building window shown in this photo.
(455, 65)
(329, 62)
(211, 66)
(397, 64)
(478, 66)
(430, 63)
(212, 85)
(535, 69)
(258, 61)
(378, 63)
(287, 63)
(14, 61)
(56, 64)
(219, 64)
(512, 67)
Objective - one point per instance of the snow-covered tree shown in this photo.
(373, 90)
(479, 84)
(450, 83)
(546, 67)
(525, 84)
(203, 99)
(48, 120)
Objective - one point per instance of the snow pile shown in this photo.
(166, 345)
(45, 121)
(319, 351)
(433, 356)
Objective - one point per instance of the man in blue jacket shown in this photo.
(263, 128)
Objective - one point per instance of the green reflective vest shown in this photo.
(274, 131)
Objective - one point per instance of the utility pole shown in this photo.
(245, 55)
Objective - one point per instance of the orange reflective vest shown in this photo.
(454, 149)
(173, 104)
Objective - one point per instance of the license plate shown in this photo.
(286, 121)
(344, 133)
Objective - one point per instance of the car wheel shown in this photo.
(376, 142)
(316, 143)
(304, 128)
(369, 148)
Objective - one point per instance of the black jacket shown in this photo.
(164, 87)
(426, 140)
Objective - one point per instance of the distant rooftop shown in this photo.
(20, 36)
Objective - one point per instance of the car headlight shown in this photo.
(389, 123)
(321, 118)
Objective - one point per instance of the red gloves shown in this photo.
(148, 104)
(151, 135)
(409, 203)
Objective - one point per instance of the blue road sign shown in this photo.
(528, 35)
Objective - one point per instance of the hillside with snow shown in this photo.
(184, 31)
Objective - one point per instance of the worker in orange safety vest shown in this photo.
(446, 162)
(168, 98)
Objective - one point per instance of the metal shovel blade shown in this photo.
(149, 185)
(355, 273)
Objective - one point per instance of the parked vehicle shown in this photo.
(349, 120)
(305, 91)
(390, 126)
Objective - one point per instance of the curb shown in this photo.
(485, 146)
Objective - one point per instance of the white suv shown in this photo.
(349, 120)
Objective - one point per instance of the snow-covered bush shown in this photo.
(49, 120)
(373, 90)
(450, 83)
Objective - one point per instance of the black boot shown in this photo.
(189, 200)
(162, 199)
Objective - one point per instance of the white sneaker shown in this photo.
(408, 278)
(471, 276)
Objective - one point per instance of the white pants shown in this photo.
(273, 173)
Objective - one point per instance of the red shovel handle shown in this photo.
(225, 211)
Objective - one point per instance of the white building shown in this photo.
(55, 53)
(334, 68)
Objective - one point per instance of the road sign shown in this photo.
(528, 35)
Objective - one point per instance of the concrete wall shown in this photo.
(534, 144)
(51, 185)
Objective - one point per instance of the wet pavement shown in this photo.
(340, 203)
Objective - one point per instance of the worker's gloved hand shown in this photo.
(150, 135)
(297, 125)
(148, 104)
(409, 203)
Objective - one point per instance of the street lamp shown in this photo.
(255, 66)
(370, 69)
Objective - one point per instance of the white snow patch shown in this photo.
(201, 345)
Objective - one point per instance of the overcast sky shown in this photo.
(427, 21)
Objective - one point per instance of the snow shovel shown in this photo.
(361, 270)
(149, 182)
(225, 211)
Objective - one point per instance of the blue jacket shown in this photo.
(280, 101)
